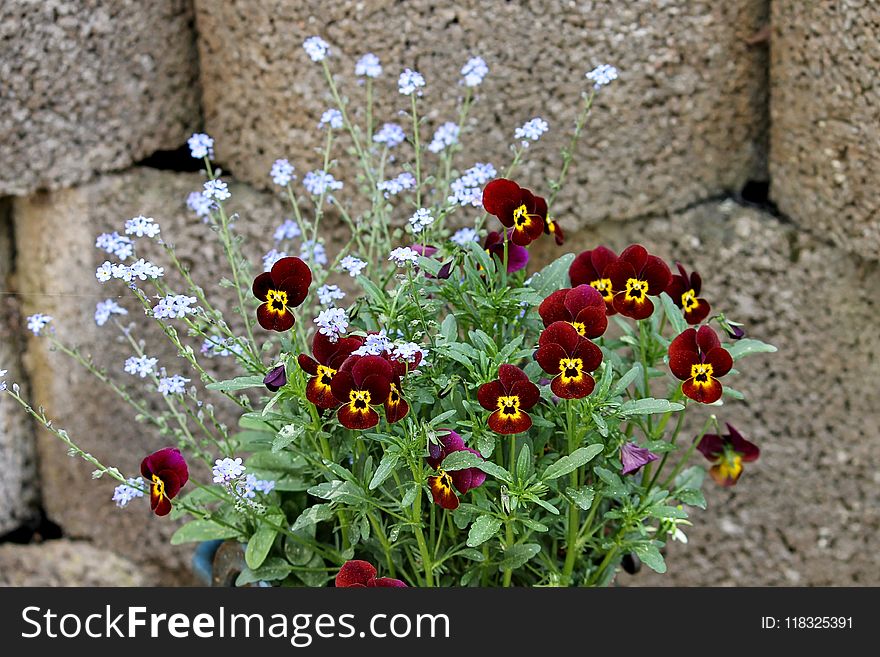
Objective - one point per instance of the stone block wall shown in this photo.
(94, 87)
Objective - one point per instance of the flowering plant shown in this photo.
(462, 420)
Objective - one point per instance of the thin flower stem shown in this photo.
(418, 151)
(358, 147)
(573, 523)
(687, 455)
(568, 152)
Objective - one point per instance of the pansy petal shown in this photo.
(681, 361)
(601, 257)
(441, 491)
(581, 271)
(619, 272)
(549, 356)
(749, 451)
(510, 374)
(633, 457)
(341, 385)
(395, 410)
(528, 394)
(589, 353)
(722, 476)
(552, 308)
(676, 288)
(636, 255)
(370, 372)
(488, 394)
(452, 442)
(593, 320)
(262, 284)
(720, 360)
(697, 313)
(308, 364)
(704, 393)
(657, 273)
(517, 258)
(707, 339)
(272, 320)
(710, 446)
(630, 307)
(573, 388)
(498, 193)
(386, 582)
(355, 572)
(321, 394)
(291, 268)
(509, 424)
(561, 333)
(582, 297)
(360, 419)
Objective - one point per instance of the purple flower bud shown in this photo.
(445, 270)
(276, 378)
(634, 457)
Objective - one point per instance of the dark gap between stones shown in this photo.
(36, 530)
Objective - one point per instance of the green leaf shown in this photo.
(534, 525)
(472, 554)
(344, 492)
(663, 511)
(517, 555)
(614, 486)
(286, 435)
(202, 530)
(463, 460)
(272, 569)
(583, 497)
(553, 277)
(648, 406)
(524, 463)
(386, 467)
(692, 497)
(571, 462)
(312, 516)
(691, 477)
(650, 556)
(482, 530)
(259, 545)
(449, 328)
(624, 381)
(430, 265)
(747, 346)
(673, 314)
(238, 383)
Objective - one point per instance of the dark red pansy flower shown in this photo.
(634, 457)
(517, 256)
(361, 383)
(362, 574)
(516, 208)
(685, 292)
(728, 453)
(698, 359)
(589, 267)
(552, 227)
(570, 357)
(635, 276)
(328, 358)
(509, 397)
(583, 307)
(276, 378)
(284, 287)
(166, 472)
(464, 480)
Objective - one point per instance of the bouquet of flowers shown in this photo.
(439, 414)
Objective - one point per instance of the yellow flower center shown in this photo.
(603, 285)
(701, 373)
(359, 401)
(730, 468)
(521, 217)
(551, 225)
(636, 290)
(509, 405)
(444, 481)
(393, 396)
(571, 369)
(689, 301)
(276, 301)
(580, 328)
(325, 376)
(158, 487)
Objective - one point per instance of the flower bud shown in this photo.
(276, 378)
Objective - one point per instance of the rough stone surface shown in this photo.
(66, 563)
(825, 108)
(92, 85)
(807, 512)
(19, 486)
(61, 281)
(684, 122)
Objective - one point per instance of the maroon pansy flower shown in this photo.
(464, 480)
(635, 276)
(362, 574)
(698, 359)
(167, 473)
(589, 267)
(361, 383)
(284, 287)
(276, 378)
(328, 358)
(570, 357)
(396, 407)
(516, 208)
(552, 227)
(581, 306)
(517, 256)
(634, 457)
(685, 292)
(509, 397)
(728, 453)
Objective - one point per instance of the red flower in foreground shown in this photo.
(464, 480)
(167, 473)
(685, 292)
(361, 383)
(509, 397)
(698, 359)
(568, 356)
(582, 307)
(281, 289)
(589, 269)
(635, 276)
(517, 256)
(328, 357)
(517, 208)
(728, 453)
(362, 574)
